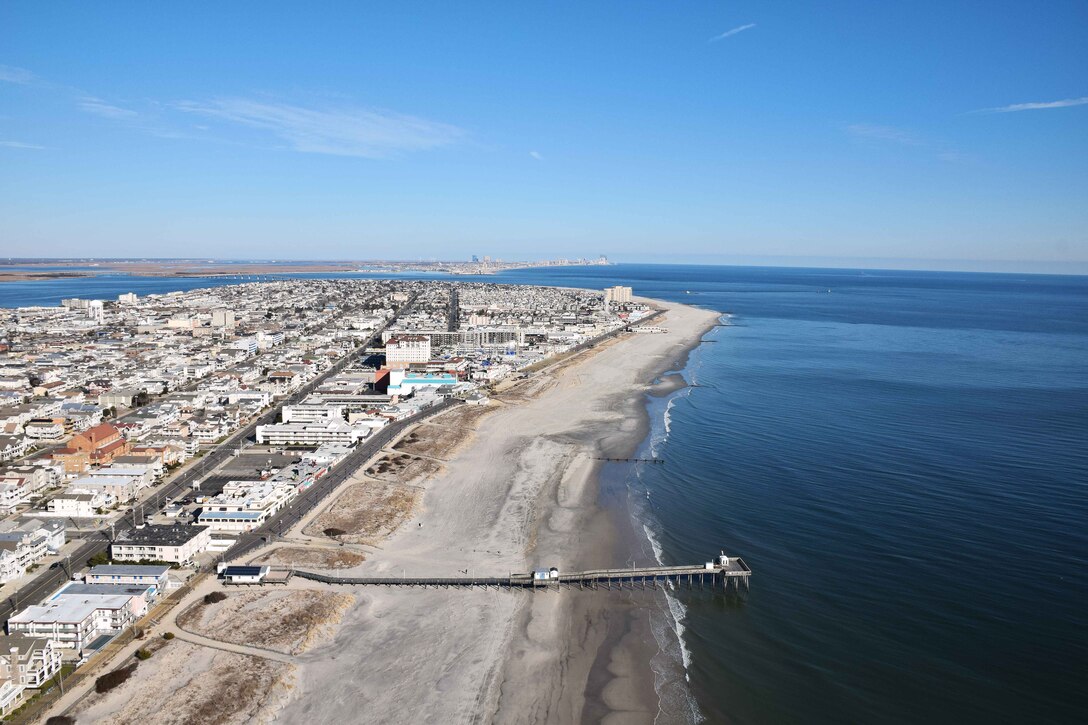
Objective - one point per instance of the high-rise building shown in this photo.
(222, 318)
(406, 349)
(96, 311)
(617, 295)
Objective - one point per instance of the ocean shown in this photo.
(902, 459)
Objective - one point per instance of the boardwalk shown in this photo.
(658, 461)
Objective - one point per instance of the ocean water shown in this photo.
(902, 459)
(49, 292)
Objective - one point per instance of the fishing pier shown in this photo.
(658, 461)
(723, 573)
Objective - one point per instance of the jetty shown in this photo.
(725, 573)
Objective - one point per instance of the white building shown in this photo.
(144, 575)
(313, 434)
(74, 622)
(618, 295)
(14, 490)
(11, 695)
(174, 543)
(79, 504)
(45, 429)
(120, 488)
(406, 349)
(312, 413)
(142, 475)
(222, 318)
(11, 567)
(28, 661)
(245, 505)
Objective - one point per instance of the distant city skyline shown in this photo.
(1009, 266)
(928, 136)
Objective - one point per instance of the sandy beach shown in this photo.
(489, 491)
(522, 493)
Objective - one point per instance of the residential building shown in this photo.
(45, 429)
(153, 575)
(244, 505)
(403, 350)
(11, 696)
(177, 543)
(618, 295)
(12, 447)
(76, 622)
(120, 488)
(29, 661)
(79, 504)
(120, 398)
(313, 434)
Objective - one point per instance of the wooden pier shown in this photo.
(724, 573)
(659, 461)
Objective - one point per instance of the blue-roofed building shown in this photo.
(403, 383)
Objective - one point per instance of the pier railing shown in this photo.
(733, 574)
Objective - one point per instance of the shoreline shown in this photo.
(525, 492)
(517, 487)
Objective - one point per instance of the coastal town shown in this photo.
(30, 269)
(148, 441)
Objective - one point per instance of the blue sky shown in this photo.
(695, 131)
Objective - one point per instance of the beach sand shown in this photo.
(521, 493)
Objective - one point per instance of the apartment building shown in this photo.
(403, 350)
(28, 661)
(311, 434)
(75, 622)
(145, 575)
(177, 543)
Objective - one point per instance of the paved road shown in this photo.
(309, 499)
(305, 502)
(50, 579)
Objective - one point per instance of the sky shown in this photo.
(950, 132)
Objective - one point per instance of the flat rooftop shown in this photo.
(161, 535)
(154, 570)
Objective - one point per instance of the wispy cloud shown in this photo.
(1042, 106)
(98, 107)
(876, 132)
(731, 33)
(338, 131)
(537, 155)
(21, 145)
(11, 74)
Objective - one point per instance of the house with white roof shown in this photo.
(76, 622)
